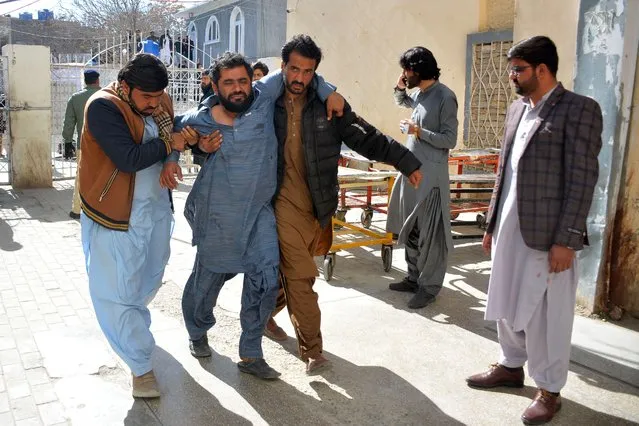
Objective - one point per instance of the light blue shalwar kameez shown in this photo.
(125, 269)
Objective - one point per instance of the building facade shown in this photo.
(255, 28)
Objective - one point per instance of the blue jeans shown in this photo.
(259, 294)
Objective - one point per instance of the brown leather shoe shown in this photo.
(145, 386)
(274, 331)
(497, 376)
(542, 409)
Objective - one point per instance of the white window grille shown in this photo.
(212, 33)
(192, 34)
(236, 43)
(490, 95)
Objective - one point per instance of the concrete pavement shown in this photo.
(391, 365)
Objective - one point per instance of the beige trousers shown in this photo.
(75, 207)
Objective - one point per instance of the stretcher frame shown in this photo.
(371, 178)
(357, 179)
(485, 162)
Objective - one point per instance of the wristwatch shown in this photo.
(399, 89)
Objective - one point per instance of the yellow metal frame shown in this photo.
(374, 238)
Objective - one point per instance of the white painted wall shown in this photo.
(363, 39)
(556, 19)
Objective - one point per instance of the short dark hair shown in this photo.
(260, 66)
(145, 72)
(421, 61)
(227, 61)
(305, 46)
(91, 77)
(536, 51)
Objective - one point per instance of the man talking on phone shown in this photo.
(421, 216)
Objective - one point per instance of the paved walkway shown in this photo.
(391, 365)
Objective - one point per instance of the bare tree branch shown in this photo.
(125, 16)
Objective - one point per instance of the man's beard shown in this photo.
(412, 81)
(295, 87)
(237, 107)
(527, 88)
(206, 88)
(139, 111)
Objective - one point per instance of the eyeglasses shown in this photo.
(517, 70)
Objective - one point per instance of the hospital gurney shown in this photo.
(472, 177)
(350, 180)
(472, 185)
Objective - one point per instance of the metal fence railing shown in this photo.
(66, 79)
(5, 134)
(108, 55)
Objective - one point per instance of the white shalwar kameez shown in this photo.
(534, 308)
(125, 269)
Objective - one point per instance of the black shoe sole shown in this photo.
(403, 289)
(197, 354)
(421, 305)
(254, 373)
(500, 385)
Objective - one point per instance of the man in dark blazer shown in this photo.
(536, 222)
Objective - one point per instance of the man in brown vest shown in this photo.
(126, 216)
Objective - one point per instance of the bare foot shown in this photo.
(317, 364)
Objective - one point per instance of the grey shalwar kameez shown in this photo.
(421, 216)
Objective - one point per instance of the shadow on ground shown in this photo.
(183, 401)
(571, 412)
(346, 394)
(459, 303)
(43, 204)
(462, 301)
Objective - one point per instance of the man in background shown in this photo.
(74, 120)
(260, 69)
(421, 216)
(205, 85)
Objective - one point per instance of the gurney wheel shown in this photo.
(367, 218)
(340, 215)
(329, 264)
(481, 221)
(387, 257)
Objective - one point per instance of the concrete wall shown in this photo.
(271, 27)
(555, 19)
(608, 35)
(363, 39)
(496, 15)
(624, 275)
(30, 116)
